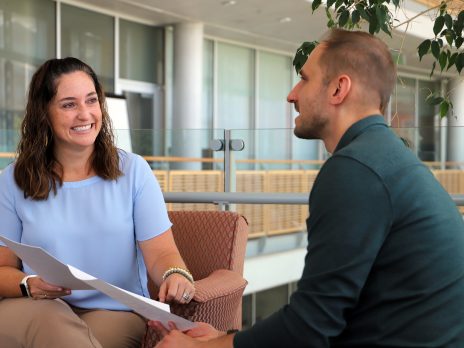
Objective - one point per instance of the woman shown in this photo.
(73, 193)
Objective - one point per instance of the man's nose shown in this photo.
(291, 97)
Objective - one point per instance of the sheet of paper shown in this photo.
(52, 270)
(149, 308)
(49, 268)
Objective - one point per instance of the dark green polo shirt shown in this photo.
(385, 261)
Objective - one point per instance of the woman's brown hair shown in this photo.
(37, 171)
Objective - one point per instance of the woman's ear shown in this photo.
(340, 88)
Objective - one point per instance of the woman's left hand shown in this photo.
(176, 288)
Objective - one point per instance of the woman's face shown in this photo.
(75, 113)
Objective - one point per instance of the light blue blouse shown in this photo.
(91, 224)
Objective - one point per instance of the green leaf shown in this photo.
(449, 37)
(435, 49)
(386, 29)
(433, 100)
(442, 60)
(438, 26)
(444, 107)
(460, 62)
(338, 3)
(373, 25)
(443, 8)
(316, 4)
(355, 17)
(424, 48)
(458, 41)
(330, 3)
(381, 14)
(362, 12)
(302, 54)
(460, 18)
(343, 19)
(452, 60)
(448, 21)
(433, 68)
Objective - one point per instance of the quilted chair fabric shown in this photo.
(212, 244)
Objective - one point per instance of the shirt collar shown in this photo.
(359, 128)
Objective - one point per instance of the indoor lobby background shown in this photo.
(201, 86)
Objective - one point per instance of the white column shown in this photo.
(456, 123)
(187, 92)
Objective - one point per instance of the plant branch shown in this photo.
(420, 14)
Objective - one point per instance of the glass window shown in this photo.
(274, 84)
(403, 110)
(147, 41)
(235, 86)
(27, 32)
(429, 135)
(89, 36)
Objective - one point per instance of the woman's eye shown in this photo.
(68, 105)
(92, 100)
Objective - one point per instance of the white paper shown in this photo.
(44, 264)
(55, 272)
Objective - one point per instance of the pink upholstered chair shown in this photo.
(212, 244)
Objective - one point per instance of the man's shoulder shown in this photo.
(381, 150)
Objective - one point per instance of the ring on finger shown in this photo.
(186, 296)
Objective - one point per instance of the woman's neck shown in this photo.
(76, 165)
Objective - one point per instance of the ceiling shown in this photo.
(280, 25)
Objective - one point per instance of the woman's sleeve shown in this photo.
(10, 223)
(150, 213)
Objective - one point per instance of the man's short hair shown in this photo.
(364, 58)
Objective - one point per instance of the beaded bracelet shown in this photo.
(181, 271)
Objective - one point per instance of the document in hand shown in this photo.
(57, 273)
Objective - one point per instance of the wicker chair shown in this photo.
(212, 244)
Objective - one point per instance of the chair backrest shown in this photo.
(210, 240)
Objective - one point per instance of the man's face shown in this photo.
(309, 96)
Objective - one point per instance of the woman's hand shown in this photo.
(176, 288)
(41, 290)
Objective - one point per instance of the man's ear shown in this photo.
(340, 88)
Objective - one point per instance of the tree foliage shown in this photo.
(446, 47)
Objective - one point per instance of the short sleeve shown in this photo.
(10, 225)
(150, 213)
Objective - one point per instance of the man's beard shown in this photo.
(313, 130)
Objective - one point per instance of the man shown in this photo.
(385, 261)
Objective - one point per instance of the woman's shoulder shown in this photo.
(8, 172)
(130, 161)
(7, 179)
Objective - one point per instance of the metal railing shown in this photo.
(225, 198)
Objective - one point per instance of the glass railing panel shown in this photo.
(8, 142)
(182, 161)
(275, 161)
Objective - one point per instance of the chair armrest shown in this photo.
(218, 284)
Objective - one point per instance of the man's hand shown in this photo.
(202, 336)
(202, 332)
(175, 339)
